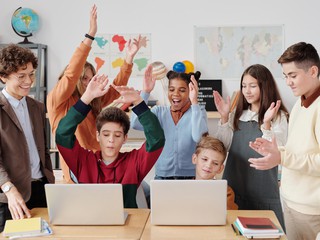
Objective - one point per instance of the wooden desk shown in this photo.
(153, 232)
(133, 228)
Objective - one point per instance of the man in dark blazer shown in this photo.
(25, 164)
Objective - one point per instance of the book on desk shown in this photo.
(257, 227)
(27, 227)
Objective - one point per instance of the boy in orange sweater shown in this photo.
(209, 158)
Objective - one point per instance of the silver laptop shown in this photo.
(188, 202)
(85, 204)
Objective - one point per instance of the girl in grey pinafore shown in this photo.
(254, 189)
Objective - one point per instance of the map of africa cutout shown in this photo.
(109, 50)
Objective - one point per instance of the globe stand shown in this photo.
(25, 41)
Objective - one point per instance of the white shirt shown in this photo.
(279, 128)
(21, 110)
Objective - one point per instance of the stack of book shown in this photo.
(27, 227)
(257, 227)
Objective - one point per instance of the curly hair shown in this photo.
(115, 115)
(183, 76)
(14, 57)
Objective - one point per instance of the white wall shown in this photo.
(170, 22)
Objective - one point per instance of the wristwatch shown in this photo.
(7, 187)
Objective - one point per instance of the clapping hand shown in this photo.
(128, 95)
(271, 113)
(193, 90)
(149, 81)
(132, 49)
(97, 87)
(222, 106)
(269, 150)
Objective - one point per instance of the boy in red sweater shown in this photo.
(110, 165)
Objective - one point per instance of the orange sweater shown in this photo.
(60, 98)
(231, 205)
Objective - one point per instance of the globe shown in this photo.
(24, 22)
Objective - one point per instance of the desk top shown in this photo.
(153, 232)
(133, 228)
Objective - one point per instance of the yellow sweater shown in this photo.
(300, 158)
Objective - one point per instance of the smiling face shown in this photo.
(87, 76)
(301, 81)
(208, 163)
(111, 138)
(251, 91)
(178, 94)
(18, 84)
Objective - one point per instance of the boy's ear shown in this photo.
(125, 139)
(3, 80)
(194, 158)
(314, 71)
(97, 136)
(221, 168)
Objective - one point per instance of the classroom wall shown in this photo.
(170, 22)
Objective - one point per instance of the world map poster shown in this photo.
(109, 50)
(225, 52)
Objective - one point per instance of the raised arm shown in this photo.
(149, 82)
(225, 130)
(275, 124)
(58, 98)
(199, 119)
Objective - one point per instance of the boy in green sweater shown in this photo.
(110, 165)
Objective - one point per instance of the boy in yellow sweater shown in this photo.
(300, 157)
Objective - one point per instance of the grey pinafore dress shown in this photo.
(254, 189)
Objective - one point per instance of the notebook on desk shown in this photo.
(85, 204)
(188, 202)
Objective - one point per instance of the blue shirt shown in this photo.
(181, 139)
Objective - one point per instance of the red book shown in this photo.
(256, 225)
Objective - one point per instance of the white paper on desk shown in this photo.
(45, 230)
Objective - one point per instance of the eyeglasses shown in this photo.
(22, 77)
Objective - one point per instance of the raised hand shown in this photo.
(269, 151)
(222, 106)
(97, 87)
(133, 47)
(93, 21)
(193, 90)
(149, 81)
(271, 113)
(128, 95)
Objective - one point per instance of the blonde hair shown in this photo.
(80, 89)
(208, 142)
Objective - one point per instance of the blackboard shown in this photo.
(206, 87)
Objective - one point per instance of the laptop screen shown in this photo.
(188, 202)
(85, 204)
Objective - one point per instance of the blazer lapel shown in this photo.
(8, 109)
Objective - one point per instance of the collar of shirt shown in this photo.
(306, 102)
(249, 115)
(13, 101)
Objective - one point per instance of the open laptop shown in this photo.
(188, 202)
(85, 204)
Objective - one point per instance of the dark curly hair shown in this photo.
(14, 57)
(113, 114)
(183, 76)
